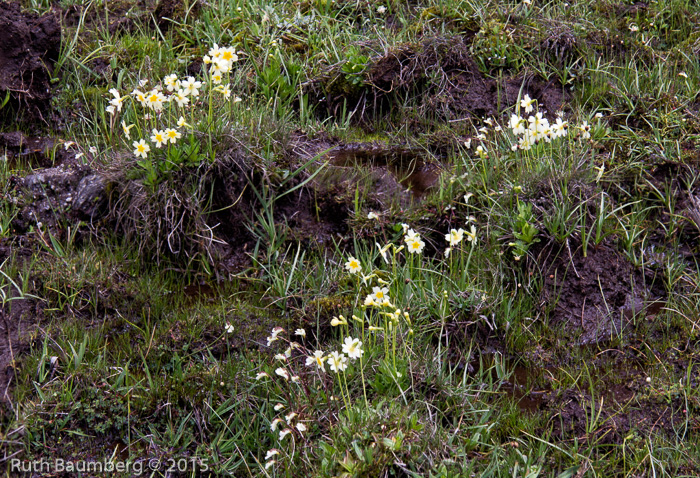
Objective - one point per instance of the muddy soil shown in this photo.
(437, 78)
(18, 319)
(597, 297)
(30, 47)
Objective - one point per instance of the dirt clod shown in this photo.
(30, 47)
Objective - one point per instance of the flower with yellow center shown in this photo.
(337, 361)
(127, 129)
(159, 138)
(353, 265)
(155, 100)
(171, 82)
(415, 245)
(455, 236)
(172, 135)
(141, 148)
(317, 359)
(353, 347)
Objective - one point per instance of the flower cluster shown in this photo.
(537, 127)
(181, 92)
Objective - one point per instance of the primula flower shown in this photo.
(181, 122)
(155, 100)
(171, 82)
(140, 97)
(517, 124)
(172, 135)
(141, 148)
(282, 373)
(317, 359)
(527, 103)
(383, 251)
(380, 294)
(337, 361)
(225, 90)
(127, 129)
(585, 130)
(340, 320)
(159, 138)
(180, 98)
(415, 245)
(191, 87)
(117, 100)
(455, 236)
(275, 332)
(353, 347)
(559, 128)
(353, 265)
(471, 236)
(216, 77)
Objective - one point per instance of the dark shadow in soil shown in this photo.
(18, 318)
(597, 297)
(30, 47)
(435, 79)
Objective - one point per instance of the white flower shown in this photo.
(353, 347)
(171, 82)
(180, 98)
(269, 464)
(155, 100)
(273, 337)
(172, 135)
(284, 433)
(380, 294)
(383, 250)
(353, 265)
(110, 109)
(229, 328)
(337, 361)
(471, 236)
(282, 373)
(280, 357)
(275, 422)
(300, 332)
(381, 9)
(271, 453)
(181, 122)
(93, 150)
(261, 375)
(278, 407)
(191, 87)
(585, 130)
(301, 427)
(372, 215)
(141, 148)
(527, 103)
(415, 245)
(159, 138)
(317, 359)
(455, 236)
